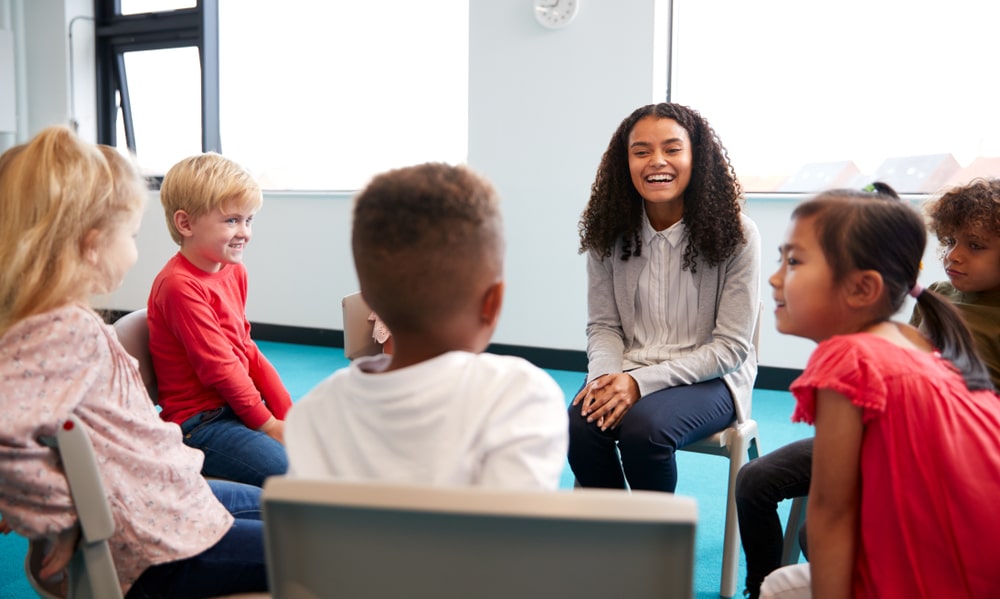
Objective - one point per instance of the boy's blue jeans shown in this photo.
(233, 451)
(233, 565)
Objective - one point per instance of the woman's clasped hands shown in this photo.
(608, 398)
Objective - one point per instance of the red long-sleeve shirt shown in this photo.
(204, 358)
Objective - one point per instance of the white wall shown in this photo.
(543, 105)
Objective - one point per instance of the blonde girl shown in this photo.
(71, 211)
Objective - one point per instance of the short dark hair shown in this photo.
(419, 236)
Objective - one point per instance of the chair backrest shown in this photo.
(133, 333)
(92, 573)
(358, 339)
(755, 339)
(327, 538)
(756, 330)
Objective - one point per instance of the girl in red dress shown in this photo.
(905, 469)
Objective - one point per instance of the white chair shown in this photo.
(328, 538)
(133, 333)
(92, 573)
(739, 444)
(358, 339)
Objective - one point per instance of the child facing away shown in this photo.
(428, 248)
(905, 469)
(966, 221)
(213, 380)
(70, 215)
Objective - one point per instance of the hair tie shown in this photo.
(916, 290)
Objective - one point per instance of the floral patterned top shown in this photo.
(68, 361)
(380, 332)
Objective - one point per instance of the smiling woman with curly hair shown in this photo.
(674, 286)
(711, 202)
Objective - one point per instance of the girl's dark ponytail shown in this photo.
(874, 229)
(943, 325)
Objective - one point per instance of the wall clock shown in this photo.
(555, 14)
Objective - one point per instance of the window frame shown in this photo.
(198, 27)
(116, 34)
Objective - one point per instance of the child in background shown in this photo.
(213, 380)
(71, 212)
(905, 468)
(781, 474)
(966, 221)
(380, 333)
(761, 485)
(428, 249)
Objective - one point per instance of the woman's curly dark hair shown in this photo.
(711, 201)
(971, 207)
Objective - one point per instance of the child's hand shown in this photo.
(275, 429)
(62, 548)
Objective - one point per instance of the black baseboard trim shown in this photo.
(270, 332)
(110, 316)
(768, 377)
(298, 335)
(543, 357)
(774, 378)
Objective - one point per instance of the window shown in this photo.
(165, 94)
(322, 95)
(310, 95)
(134, 7)
(807, 95)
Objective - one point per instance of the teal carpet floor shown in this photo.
(702, 477)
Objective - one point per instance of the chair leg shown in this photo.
(730, 542)
(790, 547)
(738, 456)
(743, 449)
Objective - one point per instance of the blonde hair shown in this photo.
(54, 191)
(200, 184)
